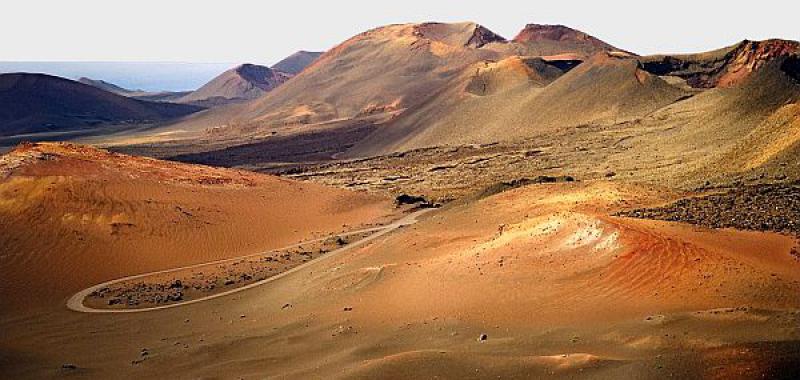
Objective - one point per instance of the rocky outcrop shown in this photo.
(729, 69)
(482, 36)
(461, 34)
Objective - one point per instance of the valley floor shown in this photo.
(533, 282)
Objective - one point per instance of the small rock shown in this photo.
(69, 366)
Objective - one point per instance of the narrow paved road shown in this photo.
(76, 301)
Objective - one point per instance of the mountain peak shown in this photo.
(467, 34)
(540, 32)
(482, 36)
(243, 82)
(555, 39)
(297, 62)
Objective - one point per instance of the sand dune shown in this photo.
(558, 287)
(74, 216)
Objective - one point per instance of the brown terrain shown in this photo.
(162, 96)
(241, 83)
(38, 103)
(427, 201)
(297, 62)
(79, 216)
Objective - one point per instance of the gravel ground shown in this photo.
(760, 207)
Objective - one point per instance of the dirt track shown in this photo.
(76, 302)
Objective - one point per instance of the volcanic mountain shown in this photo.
(433, 84)
(381, 71)
(32, 103)
(392, 69)
(603, 216)
(297, 62)
(707, 105)
(545, 40)
(241, 83)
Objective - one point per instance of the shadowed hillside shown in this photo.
(32, 103)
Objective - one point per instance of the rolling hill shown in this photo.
(297, 62)
(162, 96)
(34, 103)
(110, 214)
(106, 86)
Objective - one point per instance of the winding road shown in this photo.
(76, 302)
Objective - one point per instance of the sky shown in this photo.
(229, 32)
(236, 31)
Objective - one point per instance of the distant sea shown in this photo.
(147, 76)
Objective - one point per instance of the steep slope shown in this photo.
(383, 70)
(605, 89)
(297, 62)
(706, 101)
(722, 68)
(546, 40)
(241, 83)
(32, 103)
(741, 120)
(391, 69)
(72, 216)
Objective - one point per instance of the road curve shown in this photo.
(75, 302)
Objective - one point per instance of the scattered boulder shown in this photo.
(419, 201)
(551, 179)
(520, 182)
(482, 337)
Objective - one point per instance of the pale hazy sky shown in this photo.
(266, 31)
